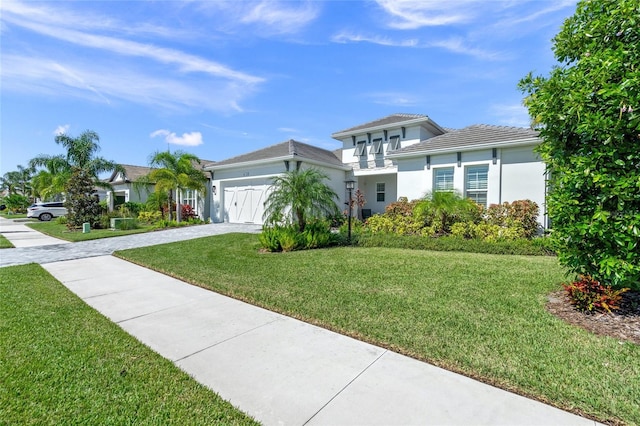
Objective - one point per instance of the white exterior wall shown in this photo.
(523, 177)
(250, 187)
(413, 135)
(414, 180)
(368, 186)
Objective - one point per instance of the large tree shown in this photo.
(588, 114)
(300, 195)
(175, 172)
(81, 154)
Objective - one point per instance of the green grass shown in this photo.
(13, 215)
(61, 362)
(479, 314)
(61, 231)
(4, 243)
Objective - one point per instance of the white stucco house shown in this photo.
(401, 155)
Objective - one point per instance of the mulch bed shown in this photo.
(623, 324)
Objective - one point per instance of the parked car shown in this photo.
(46, 211)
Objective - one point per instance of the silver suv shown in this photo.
(46, 211)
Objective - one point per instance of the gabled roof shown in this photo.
(393, 120)
(131, 173)
(472, 137)
(290, 149)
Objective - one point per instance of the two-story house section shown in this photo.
(365, 149)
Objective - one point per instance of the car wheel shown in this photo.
(46, 217)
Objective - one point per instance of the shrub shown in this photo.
(61, 220)
(130, 209)
(589, 295)
(317, 234)
(150, 217)
(402, 207)
(187, 212)
(269, 238)
(519, 213)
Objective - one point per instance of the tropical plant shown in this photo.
(298, 196)
(17, 181)
(172, 173)
(588, 114)
(81, 154)
(444, 208)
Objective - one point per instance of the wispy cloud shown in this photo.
(398, 99)
(172, 78)
(346, 37)
(263, 17)
(515, 115)
(187, 139)
(413, 14)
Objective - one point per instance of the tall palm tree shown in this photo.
(18, 181)
(175, 172)
(81, 154)
(300, 195)
(49, 182)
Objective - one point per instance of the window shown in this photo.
(380, 191)
(361, 149)
(476, 183)
(376, 147)
(394, 143)
(443, 179)
(189, 197)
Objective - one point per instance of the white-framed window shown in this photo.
(380, 187)
(394, 143)
(443, 179)
(361, 149)
(476, 183)
(376, 146)
(189, 197)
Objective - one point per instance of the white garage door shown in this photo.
(245, 203)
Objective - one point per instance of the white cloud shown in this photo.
(398, 99)
(413, 14)
(187, 139)
(345, 37)
(61, 130)
(280, 17)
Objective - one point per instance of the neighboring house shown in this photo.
(125, 190)
(240, 185)
(401, 155)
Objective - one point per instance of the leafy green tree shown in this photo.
(49, 182)
(18, 181)
(175, 172)
(82, 203)
(587, 112)
(81, 154)
(298, 196)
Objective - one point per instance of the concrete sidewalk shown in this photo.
(21, 235)
(285, 372)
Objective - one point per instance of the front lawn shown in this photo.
(479, 314)
(61, 362)
(61, 231)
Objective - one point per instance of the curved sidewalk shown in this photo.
(277, 369)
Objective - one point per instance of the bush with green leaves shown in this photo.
(441, 209)
(150, 217)
(520, 213)
(588, 114)
(16, 203)
(317, 234)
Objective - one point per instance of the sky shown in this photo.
(222, 78)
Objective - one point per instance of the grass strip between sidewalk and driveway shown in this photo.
(481, 315)
(61, 362)
(4, 243)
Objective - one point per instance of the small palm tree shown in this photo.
(443, 208)
(175, 172)
(298, 196)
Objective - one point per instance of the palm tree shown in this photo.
(175, 172)
(18, 181)
(81, 154)
(300, 195)
(443, 208)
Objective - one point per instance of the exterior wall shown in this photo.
(256, 182)
(523, 177)
(413, 135)
(518, 174)
(368, 186)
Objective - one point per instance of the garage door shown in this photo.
(245, 203)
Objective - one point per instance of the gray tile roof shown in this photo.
(131, 173)
(389, 120)
(290, 148)
(471, 136)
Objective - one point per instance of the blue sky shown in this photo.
(221, 78)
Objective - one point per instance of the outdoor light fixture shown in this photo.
(214, 190)
(350, 185)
